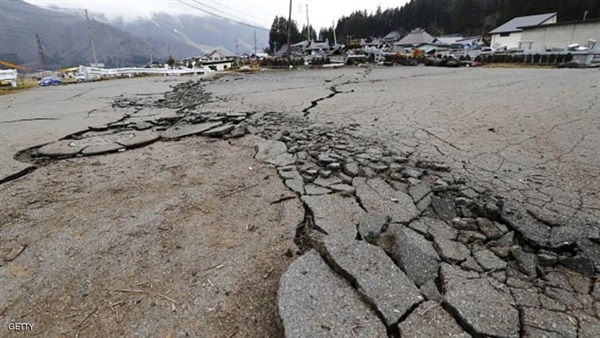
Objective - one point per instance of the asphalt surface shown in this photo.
(47, 114)
(531, 134)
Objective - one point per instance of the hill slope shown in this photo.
(65, 38)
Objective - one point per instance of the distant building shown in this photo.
(449, 39)
(508, 35)
(391, 37)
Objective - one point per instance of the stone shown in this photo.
(295, 185)
(439, 229)
(464, 224)
(451, 251)
(313, 301)
(526, 262)
(311, 189)
(531, 229)
(547, 258)
(371, 226)
(325, 173)
(377, 196)
(532, 332)
(419, 191)
(488, 228)
(467, 237)
(60, 148)
(101, 149)
(431, 292)
(430, 320)
(379, 167)
(183, 130)
(351, 169)
(471, 264)
(526, 297)
(412, 252)
(444, 208)
(381, 283)
(412, 173)
(550, 321)
(335, 214)
(424, 203)
(343, 189)
(589, 327)
(280, 160)
(219, 131)
(345, 178)
(266, 149)
(488, 260)
(564, 297)
(486, 310)
(325, 159)
(140, 139)
(335, 166)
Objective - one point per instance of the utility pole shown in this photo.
(289, 42)
(308, 38)
(40, 52)
(334, 36)
(89, 22)
(237, 47)
(255, 43)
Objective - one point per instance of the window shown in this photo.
(504, 34)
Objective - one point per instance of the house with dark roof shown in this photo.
(508, 35)
(415, 38)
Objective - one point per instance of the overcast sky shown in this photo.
(322, 12)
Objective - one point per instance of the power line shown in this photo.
(223, 17)
(235, 10)
(236, 17)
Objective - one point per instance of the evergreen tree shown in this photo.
(278, 35)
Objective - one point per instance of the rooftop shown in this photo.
(515, 24)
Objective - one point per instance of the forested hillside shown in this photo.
(467, 17)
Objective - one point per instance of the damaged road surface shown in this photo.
(411, 210)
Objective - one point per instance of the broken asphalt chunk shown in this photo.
(313, 301)
(378, 280)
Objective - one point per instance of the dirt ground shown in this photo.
(141, 243)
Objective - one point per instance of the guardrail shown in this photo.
(9, 76)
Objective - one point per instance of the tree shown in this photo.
(313, 33)
(279, 31)
(170, 62)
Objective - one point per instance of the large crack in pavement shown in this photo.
(376, 214)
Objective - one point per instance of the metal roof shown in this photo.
(515, 24)
(416, 37)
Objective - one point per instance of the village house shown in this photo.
(508, 35)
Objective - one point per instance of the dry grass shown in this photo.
(518, 65)
(22, 84)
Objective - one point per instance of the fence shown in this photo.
(91, 72)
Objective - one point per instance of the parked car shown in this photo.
(49, 81)
(80, 77)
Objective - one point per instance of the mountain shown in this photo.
(189, 35)
(65, 37)
(467, 17)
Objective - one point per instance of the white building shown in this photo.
(559, 36)
(508, 35)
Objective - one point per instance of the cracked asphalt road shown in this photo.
(44, 115)
(526, 134)
(529, 134)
